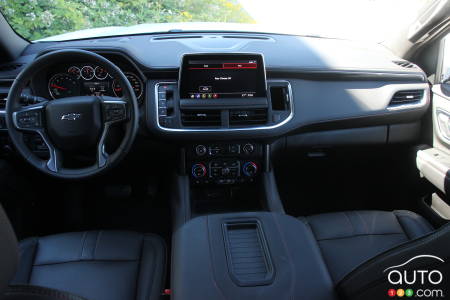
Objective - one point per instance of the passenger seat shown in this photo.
(348, 239)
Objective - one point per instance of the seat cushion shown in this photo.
(97, 265)
(348, 239)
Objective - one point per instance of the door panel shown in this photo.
(434, 163)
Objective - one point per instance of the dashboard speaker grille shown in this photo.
(200, 118)
(406, 97)
(248, 117)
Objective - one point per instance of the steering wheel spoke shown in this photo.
(55, 161)
(102, 156)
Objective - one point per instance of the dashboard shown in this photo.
(307, 91)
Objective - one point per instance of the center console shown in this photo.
(248, 256)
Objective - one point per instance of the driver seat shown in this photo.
(95, 265)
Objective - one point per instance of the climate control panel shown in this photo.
(224, 163)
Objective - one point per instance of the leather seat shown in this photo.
(96, 265)
(348, 239)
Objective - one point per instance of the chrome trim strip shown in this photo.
(3, 113)
(289, 118)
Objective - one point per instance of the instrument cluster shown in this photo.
(89, 79)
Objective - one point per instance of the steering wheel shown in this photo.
(72, 124)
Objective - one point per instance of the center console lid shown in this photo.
(248, 255)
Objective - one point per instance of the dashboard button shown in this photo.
(201, 150)
(234, 149)
(248, 148)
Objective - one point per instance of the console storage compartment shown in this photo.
(250, 255)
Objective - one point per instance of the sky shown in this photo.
(371, 20)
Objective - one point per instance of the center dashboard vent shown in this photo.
(404, 64)
(406, 97)
(201, 118)
(248, 117)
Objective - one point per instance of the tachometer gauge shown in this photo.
(100, 73)
(136, 84)
(63, 85)
(74, 71)
(87, 72)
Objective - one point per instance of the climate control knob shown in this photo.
(199, 170)
(250, 169)
(201, 150)
(248, 148)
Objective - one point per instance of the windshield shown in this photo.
(53, 20)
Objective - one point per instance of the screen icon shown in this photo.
(205, 89)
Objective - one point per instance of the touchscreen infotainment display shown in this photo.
(218, 76)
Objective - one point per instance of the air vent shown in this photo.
(200, 118)
(176, 37)
(246, 37)
(3, 97)
(406, 97)
(404, 64)
(10, 67)
(248, 117)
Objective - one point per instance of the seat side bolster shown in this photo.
(413, 224)
(27, 249)
(370, 281)
(152, 268)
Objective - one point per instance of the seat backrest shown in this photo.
(421, 266)
(9, 252)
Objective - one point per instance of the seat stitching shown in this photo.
(363, 221)
(359, 235)
(85, 261)
(350, 221)
(401, 225)
(83, 238)
(96, 243)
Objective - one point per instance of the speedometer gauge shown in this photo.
(62, 85)
(136, 84)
